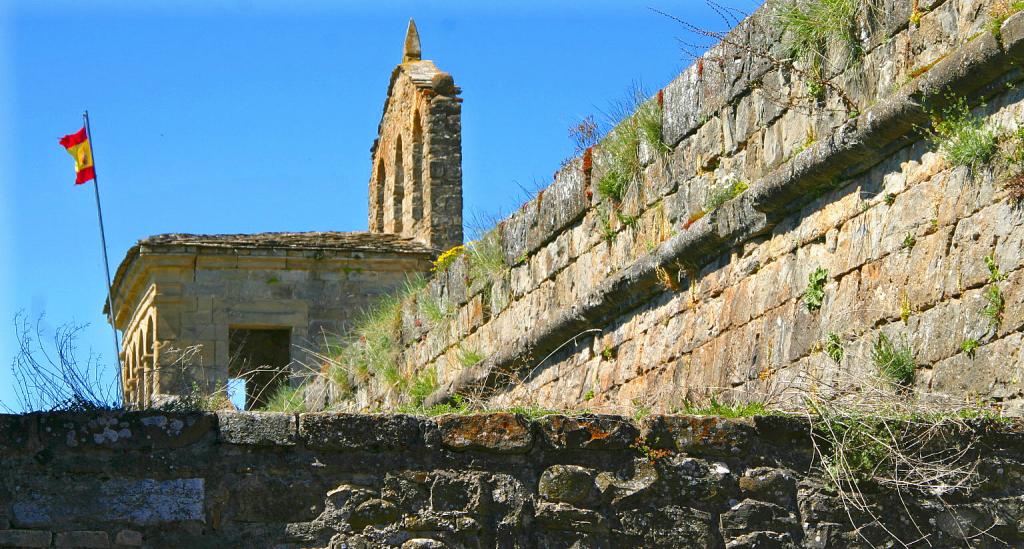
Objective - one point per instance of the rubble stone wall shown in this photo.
(150, 479)
(651, 298)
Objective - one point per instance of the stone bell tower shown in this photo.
(416, 178)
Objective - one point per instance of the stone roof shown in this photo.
(333, 241)
(347, 241)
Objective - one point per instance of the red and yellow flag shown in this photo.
(79, 148)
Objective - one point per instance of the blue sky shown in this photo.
(249, 116)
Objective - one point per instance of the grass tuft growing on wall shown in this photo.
(422, 385)
(812, 27)
(999, 11)
(485, 258)
(637, 120)
(720, 194)
(720, 409)
(287, 399)
(894, 360)
(965, 139)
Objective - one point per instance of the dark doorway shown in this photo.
(260, 357)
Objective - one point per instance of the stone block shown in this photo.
(123, 430)
(570, 484)
(141, 502)
(682, 105)
(751, 516)
(699, 435)
(359, 432)
(560, 204)
(561, 516)
(592, 432)
(83, 539)
(1012, 35)
(501, 433)
(128, 538)
(25, 538)
(257, 429)
(374, 511)
(685, 526)
(17, 432)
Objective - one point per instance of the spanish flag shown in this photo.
(79, 148)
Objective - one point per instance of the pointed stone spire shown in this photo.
(411, 51)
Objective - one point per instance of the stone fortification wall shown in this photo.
(652, 299)
(150, 479)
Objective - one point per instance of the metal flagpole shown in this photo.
(106, 262)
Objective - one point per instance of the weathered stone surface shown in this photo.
(699, 435)
(128, 538)
(561, 516)
(498, 491)
(123, 430)
(590, 432)
(257, 429)
(25, 538)
(374, 511)
(570, 484)
(142, 502)
(82, 539)
(423, 543)
(751, 516)
(669, 526)
(500, 433)
(355, 432)
(769, 485)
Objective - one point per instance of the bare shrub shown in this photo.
(53, 377)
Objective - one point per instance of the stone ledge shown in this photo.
(25, 538)
(83, 539)
(118, 429)
(500, 433)
(257, 429)
(597, 432)
(359, 432)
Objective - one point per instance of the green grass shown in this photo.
(422, 385)
(373, 344)
(533, 412)
(894, 360)
(434, 309)
(964, 138)
(909, 241)
(994, 274)
(999, 11)
(720, 194)
(604, 221)
(469, 357)
(834, 347)
(995, 304)
(719, 409)
(287, 399)
(485, 258)
(614, 183)
(648, 119)
(811, 27)
(626, 220)
(857, 446)
(814, 295)
(637, 120)
(970, 346)
(459, 406)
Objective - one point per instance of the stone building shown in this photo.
(199, 310)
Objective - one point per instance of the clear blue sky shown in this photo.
(249, 116)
